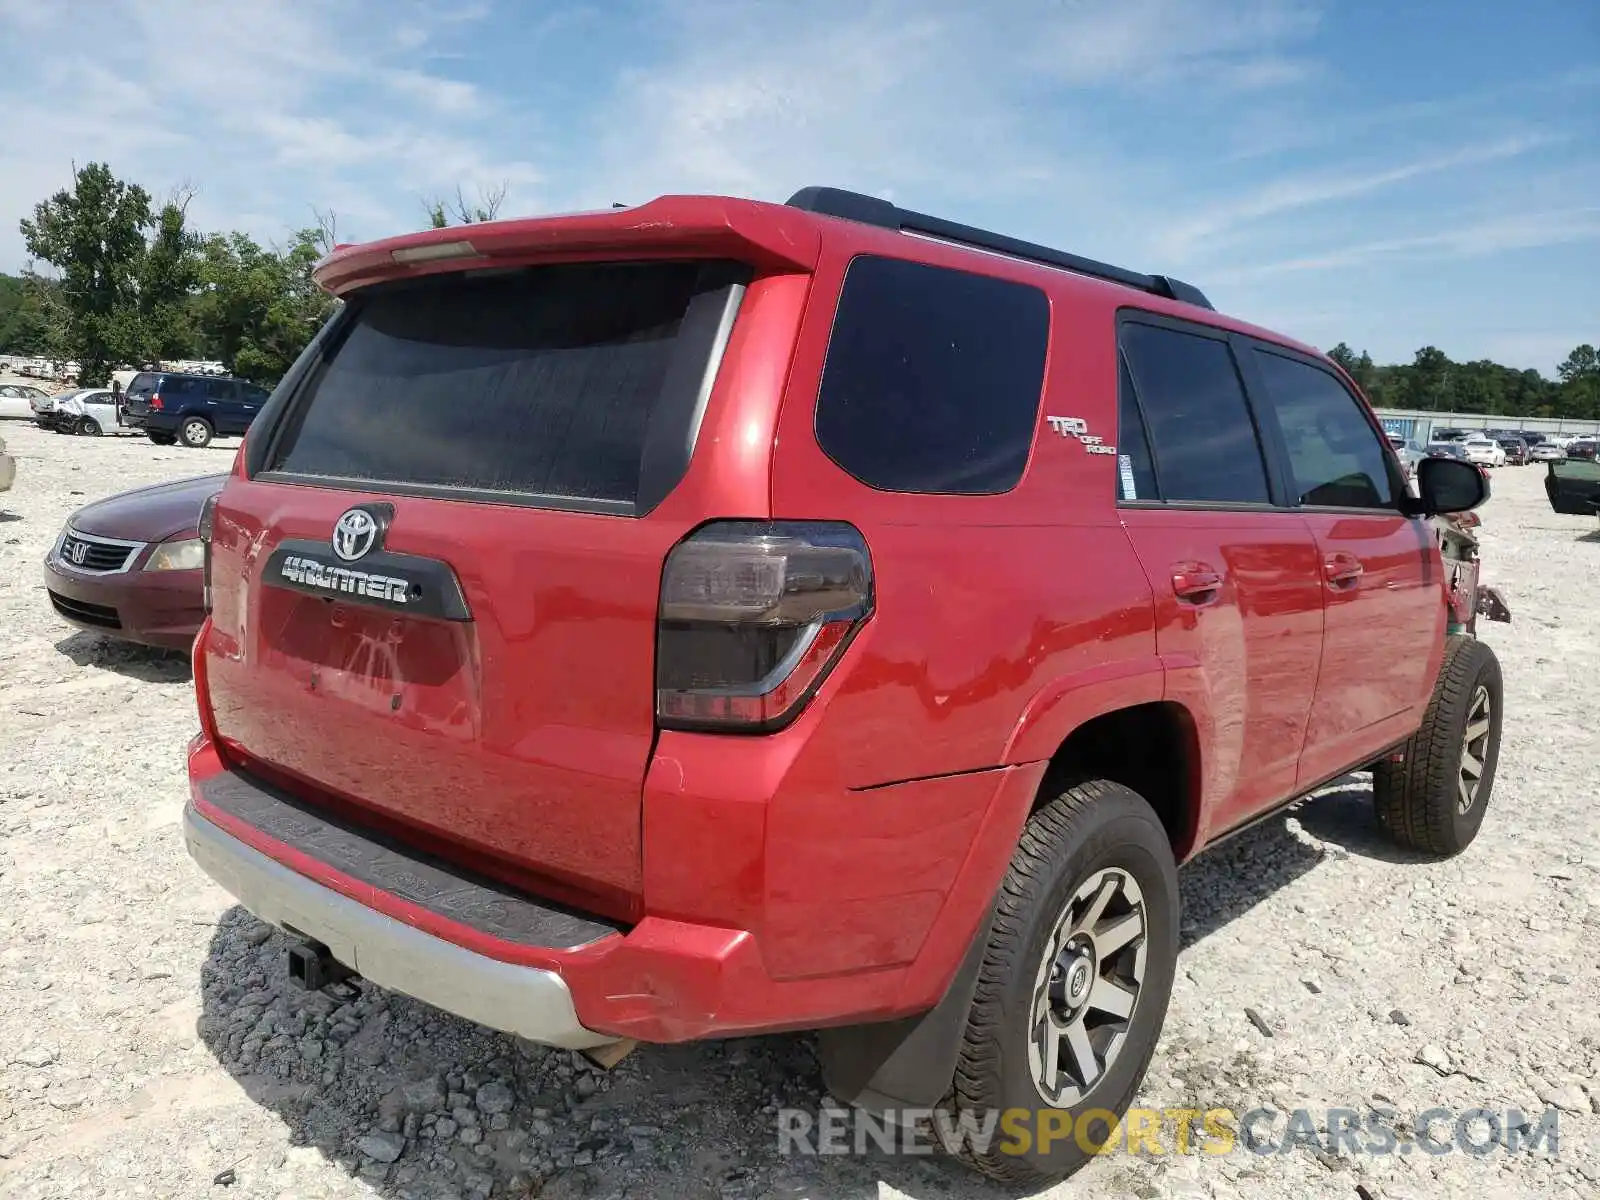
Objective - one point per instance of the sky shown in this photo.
(1390, 175)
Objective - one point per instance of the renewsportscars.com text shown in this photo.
(1154, 1131)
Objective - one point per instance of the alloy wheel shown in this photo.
(1087, 987)
(1474, 749)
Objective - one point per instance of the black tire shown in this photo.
(1423, 801)
(196, 432)
(89, 427)
(162, 439)
(1068, 844)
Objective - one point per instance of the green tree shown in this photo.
(167, 278)
(258, 307)
(1580, 382)
(93, 234)
(28, 311)
(460, 211)
(1345, 357)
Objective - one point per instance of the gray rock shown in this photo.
(445, 1127)
(381, 1145)
(464, 1115)
(470, 1135)
(1568, 1098)
(500, 1121)
(495, 1097)
(37, 1056)
(423, 1095)
(1435, 1057)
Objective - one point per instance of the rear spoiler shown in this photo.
(766, 236)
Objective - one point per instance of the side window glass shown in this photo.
(223, 389)
(1202, 438)
(1136, 476)
(933, 378)
(1335, 458)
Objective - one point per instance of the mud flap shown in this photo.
(889, 1066)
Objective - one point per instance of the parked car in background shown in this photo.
(1486, 452)
(1583, 447)
(47, 412)
(1450, 435)
(91, 413)
(171, 407)
(130, 565)
(1516, 449)
(1409, 452)
(1546, 452)
(15, 400)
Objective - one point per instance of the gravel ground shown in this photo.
(149, 1045)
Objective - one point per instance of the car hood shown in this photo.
(149, 514)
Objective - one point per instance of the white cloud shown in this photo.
(278, 107)
(450, 97)
(1518, 231)
(1183, 238)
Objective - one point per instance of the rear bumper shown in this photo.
(665, 979)
(526, 1001)
(151, 421)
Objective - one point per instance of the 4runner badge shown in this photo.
(1077, 427)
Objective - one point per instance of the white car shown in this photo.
(14, 399)
(1547, 452)
(1486, 452)
(89, 412)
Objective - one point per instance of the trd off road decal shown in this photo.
(1077, 427)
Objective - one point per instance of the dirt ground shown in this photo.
(150, 1046)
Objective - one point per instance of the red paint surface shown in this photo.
(837, 870)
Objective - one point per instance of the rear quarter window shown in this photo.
(933, 377)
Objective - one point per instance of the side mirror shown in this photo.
(1448, 485)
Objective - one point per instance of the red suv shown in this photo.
(717, 617)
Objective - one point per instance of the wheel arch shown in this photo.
(1115, 722)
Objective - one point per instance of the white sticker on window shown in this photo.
(1125, 465)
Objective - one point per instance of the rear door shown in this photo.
(1379, 570)
(251, 398)
(1238, 599)
(509, 439)
(136, 399)
(222, 404)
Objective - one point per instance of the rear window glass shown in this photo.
(142, 385)
(540, 382)
(933, 378)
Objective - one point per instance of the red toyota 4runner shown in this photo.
(715, 617)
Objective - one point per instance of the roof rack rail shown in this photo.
(870, 210)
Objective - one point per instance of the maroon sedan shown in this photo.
(130, 566)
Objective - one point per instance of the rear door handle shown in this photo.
(1196, 583)
(1342, 570)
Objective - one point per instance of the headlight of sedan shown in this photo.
(186, 555)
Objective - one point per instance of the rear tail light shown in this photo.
(155, 399)
(753, 617)
(208, 520)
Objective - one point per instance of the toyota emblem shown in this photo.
(354, 534)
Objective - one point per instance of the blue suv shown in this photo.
(171, 407)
